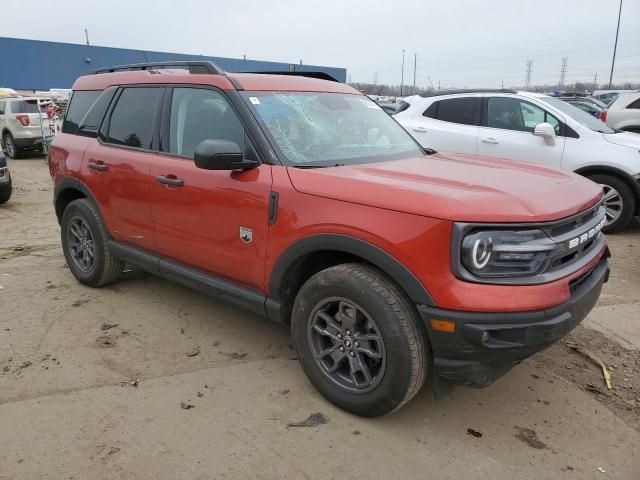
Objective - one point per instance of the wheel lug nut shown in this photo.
(356, 344)
(352, 353)
(342, 349)
(339, 336)
(348, 332)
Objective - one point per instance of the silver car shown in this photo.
(23, 124)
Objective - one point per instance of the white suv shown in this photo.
(20, 124)
(624, 112)
(533, 128)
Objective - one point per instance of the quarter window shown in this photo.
(199, 114)
(2, 108)
(513, 114)
(79, 105)
(465, 111)
(132, 118)
(635, 104)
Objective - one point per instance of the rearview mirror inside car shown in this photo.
(221, 155)
(546, 131)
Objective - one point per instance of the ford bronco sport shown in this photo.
(300, 199)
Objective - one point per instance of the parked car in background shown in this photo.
(301, 200)
(624, 112)
(5, 180)
(23, 123)
(536, 128)
(389, 107)
(586, 106)
(606, 96)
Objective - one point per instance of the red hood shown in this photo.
(455, 187)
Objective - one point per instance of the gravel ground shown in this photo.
(145, 379)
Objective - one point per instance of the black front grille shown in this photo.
(579, 281)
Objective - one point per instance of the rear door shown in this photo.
(117, 165)
(450, 125)
(507, 132)
(215, 221)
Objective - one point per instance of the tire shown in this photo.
(10, 147)
(622, 202)
(82, 217)
(5, 192)
(384, 312)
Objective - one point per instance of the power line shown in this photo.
(615, 45)
(527, 82)
(402, 76)
(563, 72)
(415, 66)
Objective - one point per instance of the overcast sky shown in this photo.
(458, 43)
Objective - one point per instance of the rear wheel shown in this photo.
(619, 201)
(84, 243)
(10, 147)
(359, 340)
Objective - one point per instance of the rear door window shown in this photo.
(80, 103)
(132, 118)
(2, 108)
(465, 111)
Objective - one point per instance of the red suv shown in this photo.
(302, 200)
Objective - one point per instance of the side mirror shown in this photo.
(546, 131)
(221, 155)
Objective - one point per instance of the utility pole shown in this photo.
(595, 81)
(415, 66)
(615, 45)
(502, 84)
(402, 75)
(86, 36)
(527, 82)
(375, 79)
(563, 71)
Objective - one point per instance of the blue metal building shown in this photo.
(38, 65)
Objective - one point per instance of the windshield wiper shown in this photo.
(428, 151)
(321, 165)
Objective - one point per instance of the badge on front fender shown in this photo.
(246, 234)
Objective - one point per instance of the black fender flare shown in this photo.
(398, 272)
(72, 183)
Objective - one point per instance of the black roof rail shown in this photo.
(193, 67)
(318, 75)
(471, 90)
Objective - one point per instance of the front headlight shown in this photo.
(503, 253)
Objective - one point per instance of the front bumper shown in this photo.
(485, 346)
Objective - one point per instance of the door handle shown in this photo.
(98, 165)
(170, 180)
(490, 140)
(419, 129)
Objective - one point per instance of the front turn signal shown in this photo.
(443, 325)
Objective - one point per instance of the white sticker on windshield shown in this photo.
(254, 100)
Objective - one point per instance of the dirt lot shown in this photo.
(145, 379)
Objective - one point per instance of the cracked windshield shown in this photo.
(321, 129)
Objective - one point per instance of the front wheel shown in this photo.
(5, 192)
(359, 340)
(619, 202)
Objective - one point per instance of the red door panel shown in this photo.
(199, 223)
(119, 179)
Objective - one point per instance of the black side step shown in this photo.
(192, 278)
